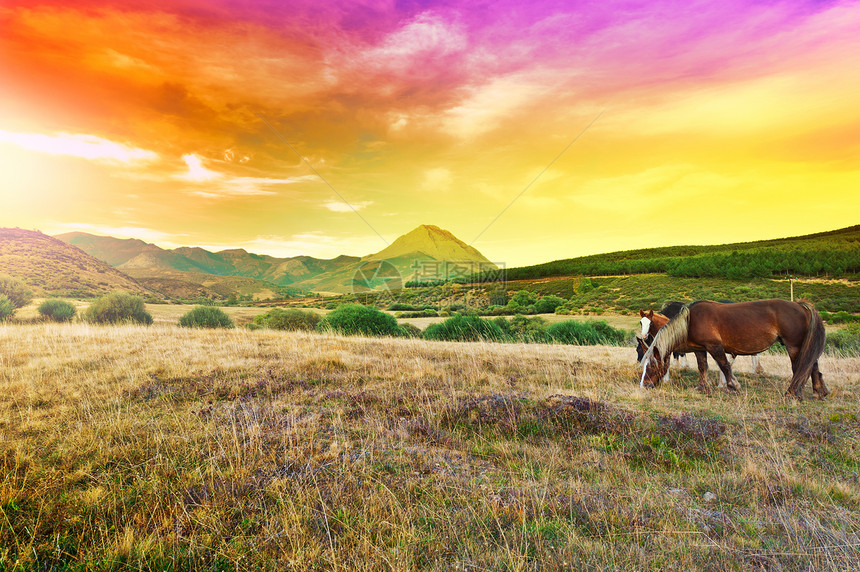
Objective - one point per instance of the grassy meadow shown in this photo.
(160, 448)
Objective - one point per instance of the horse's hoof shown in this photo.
(821, 396)
(794, 395)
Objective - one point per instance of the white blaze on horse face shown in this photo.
(646, 325)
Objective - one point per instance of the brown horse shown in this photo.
(744, 328)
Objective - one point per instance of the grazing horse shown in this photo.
(745, 328)
(651, 324)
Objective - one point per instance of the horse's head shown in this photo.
(641, 348)
(645, 322)
(655, 369)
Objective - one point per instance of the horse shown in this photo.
(745, 328)
(650, 327)
(651, 324)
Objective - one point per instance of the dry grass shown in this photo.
(163, 448)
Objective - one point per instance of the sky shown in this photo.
(532, 130)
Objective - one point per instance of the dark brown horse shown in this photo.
(745, 328)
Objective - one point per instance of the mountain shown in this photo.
(191, 269)
(426, 253)
(50, 266)
(430, 242)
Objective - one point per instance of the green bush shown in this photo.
(290, 319)
(525, 329)
(410, 330)
(841, 317)
(57, 310)
(548, 304)
(116, 308)
(355, 319)
(15, 290)
(464, 328)
(205, 317)
(6, 308)
(588, 333)
(845, 341)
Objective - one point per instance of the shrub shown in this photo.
(841, 317)
(355, 319)
(205, 317)
(57, 310)
(15, 290)
(6, 308)
(117, 307)
(845, 341)
(548, 304)
(290, 319)
(588, 333)
(528, 329)
(410, 330)
(524, 298)
(464, 328)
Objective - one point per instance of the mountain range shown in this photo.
(50, 266)
(427, 252)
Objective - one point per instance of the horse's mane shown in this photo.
(670, 336)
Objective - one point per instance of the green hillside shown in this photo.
(827, 254)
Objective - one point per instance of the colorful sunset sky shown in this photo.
(329, 128)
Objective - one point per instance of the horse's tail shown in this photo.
(670, 336)
(810, 351)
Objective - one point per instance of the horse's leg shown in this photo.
(702, 364)
(818, 388)
(719, 355)
(722, 383)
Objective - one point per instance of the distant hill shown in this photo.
(832, 254)
(421, 250)
(137, 256)
(50, 266)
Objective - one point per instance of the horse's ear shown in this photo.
(641, 313)
(650, 314)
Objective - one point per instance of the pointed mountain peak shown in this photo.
(428, 241)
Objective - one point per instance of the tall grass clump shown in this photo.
(117, 308)
(57, 310)
(464, 329)
(205, 317)
(6, 308)
(845, 341)
(588, 333)
(290, 319)
(355, 319)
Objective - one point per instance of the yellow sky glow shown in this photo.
(254, 128)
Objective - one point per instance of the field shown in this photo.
(162, 448)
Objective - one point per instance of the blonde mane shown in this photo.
(670, 336)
